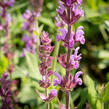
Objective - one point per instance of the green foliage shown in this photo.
(3, 64)
(95, 54)
(92, 93)
(106, 93)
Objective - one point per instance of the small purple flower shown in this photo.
(69, 2)
(27, 14)
(61, 8)
(57, 82)
(63, 34)
(53, 93)
(74, 60)
(50, 97)
(44, 83)
(25, 26)
(59, 23)
(77, 79)
(9, 2)
(45, 39)
(25, 38)
(79, 35)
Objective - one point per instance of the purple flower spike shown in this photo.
(57, 82)
(77, 79)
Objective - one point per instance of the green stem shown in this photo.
(46, 92)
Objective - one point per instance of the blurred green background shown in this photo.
(94, 93)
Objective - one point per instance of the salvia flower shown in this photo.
(74, 37)
(5, 92)
(68, 85)
(74, 60)
(50, 97)
(45, 50)
(69, 12)
(59, 23)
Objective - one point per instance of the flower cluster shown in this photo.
(29, 25)
(75, 37)
(5, 92)
(46, 61)
(68, 85)
(69, 12)
(6, 17)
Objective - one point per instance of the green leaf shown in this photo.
(27, 95)
(106, 93)
(47, 21)
(3, 64)
(75, 94)
(83, 99)
(106, 25)
(33, 67)
(92, 93)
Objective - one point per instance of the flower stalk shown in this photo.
(68, 60)
(69, 11)
(45, 50)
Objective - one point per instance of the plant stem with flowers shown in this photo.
(68, 59)
(70, 12)
(45, 50)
